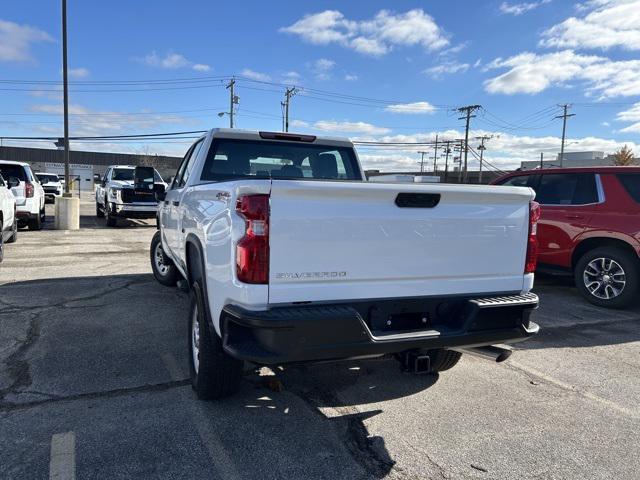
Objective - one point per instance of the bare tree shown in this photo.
(623, 157)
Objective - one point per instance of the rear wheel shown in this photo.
(214, 373)
(99, 211)
(163, 268)
(608, 277)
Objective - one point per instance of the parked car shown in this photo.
(51, 185)
(28, 193)
(589, 227)
(8, 217)
(292, 256)
(119, 195)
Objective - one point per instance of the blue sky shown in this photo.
(412, 62)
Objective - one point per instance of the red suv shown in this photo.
(589, 226)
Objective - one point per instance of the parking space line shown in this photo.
(217, 452)
(566, 386)
(62, 461)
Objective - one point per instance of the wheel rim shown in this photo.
(158, 257)
(604, 278)
(195, 340)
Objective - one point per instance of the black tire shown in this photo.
(99, 211)
(441, 359)
(43, 214)
(111, 221)
(218, 375)
(629, 264)
(166, 276)
(35, 223)
(14, 230)
(1, 242)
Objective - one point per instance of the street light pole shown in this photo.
(65, 88)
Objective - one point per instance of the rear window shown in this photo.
(631, 183)
(246, 159)
(567, 189)
(9, 170)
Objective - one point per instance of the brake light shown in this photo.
(28, 190)
(532, 242)
(252, 251)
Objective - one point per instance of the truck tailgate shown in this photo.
(350, 240)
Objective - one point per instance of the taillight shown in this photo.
(252, 251)
(28, 190)
(532, 242)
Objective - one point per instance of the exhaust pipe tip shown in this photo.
(490, 352)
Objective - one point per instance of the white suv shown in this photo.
(28, 192)
(8, 220)
(51, 184)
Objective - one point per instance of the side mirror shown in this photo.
(13, 182)
(160, 192)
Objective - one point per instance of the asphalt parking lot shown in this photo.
(94, 382)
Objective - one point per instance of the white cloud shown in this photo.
(532, 73)
(446, 68)
(78, 72)
(172, 61)
(291, 75)
(322, 68)
(85, 121)
(350, 127)
(520, 8)
(299, 123)
(376, 36)
(253, 75)
(16, 41)
(608, 23)
(630, 115)
(605, 124)
(349, 77)
(411, 108)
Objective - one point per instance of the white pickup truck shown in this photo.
(292, 256)
(125, 192)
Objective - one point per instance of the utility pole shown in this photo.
(460, 162)
(482, 148)
(65, 99)
(467, 111)
(447, 151)
(435, 155)
(564, 117)
(282, 111)
(233, 100)
(541, 160)
(289, 92)
(422, 161)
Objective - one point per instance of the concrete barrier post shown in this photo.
(67, 213)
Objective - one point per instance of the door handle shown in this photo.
(574, 217)
(176, 203)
